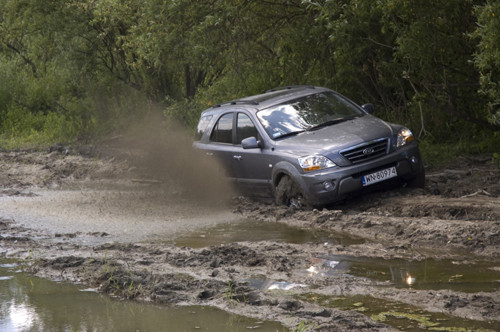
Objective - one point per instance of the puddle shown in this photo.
(28, 303)
(253, 231)
(429, 274)
(400, 315)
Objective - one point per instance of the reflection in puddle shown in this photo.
(426, 274)
(400, 315)
(32, 304)
(264, 284)
(323, 267)
(249, 230)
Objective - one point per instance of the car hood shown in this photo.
(329, 140)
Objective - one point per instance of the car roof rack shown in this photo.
(256, 100)
(289, 87)
(237, 102)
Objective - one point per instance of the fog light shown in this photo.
(328, 185)
(414, 159)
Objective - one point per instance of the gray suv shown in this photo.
(308, 146)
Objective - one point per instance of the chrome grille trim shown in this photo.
(366, 151)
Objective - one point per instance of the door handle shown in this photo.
(237, 157)
(209, 153)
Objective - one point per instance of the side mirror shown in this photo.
(250, 143)
(368, 108)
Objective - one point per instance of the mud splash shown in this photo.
(121, 211)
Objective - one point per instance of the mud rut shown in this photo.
(456, 217)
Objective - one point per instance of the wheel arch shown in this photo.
(284, 168)
(300, 195)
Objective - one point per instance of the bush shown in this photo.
(436, 154)
(23, 128)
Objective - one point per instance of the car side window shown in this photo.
(223, 130)
(245, 128)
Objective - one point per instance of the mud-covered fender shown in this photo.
(286, 168)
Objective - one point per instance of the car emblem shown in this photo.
(368, 151)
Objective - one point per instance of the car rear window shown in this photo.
(202, 126)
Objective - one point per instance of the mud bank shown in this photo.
(455, 219)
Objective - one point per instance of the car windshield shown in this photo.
(307, 113)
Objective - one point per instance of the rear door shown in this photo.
(249, 169)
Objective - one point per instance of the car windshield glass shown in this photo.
(306, 113)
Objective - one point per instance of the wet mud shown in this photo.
(394, 259)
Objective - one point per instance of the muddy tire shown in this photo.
(288, 193)
(418, 181)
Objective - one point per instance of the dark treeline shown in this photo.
(71, 69)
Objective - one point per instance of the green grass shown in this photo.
(436, 155)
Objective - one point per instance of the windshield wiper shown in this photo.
(292, 133)
(331, 122)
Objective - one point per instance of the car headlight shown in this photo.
(404, 137)
(314, 163)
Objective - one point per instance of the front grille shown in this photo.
(367, 151)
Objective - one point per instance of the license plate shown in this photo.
(379, 176)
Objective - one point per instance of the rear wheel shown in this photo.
(288, 193)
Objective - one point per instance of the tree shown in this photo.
(432, 65)
(487, 56)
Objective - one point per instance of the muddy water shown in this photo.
(28, 303)
(400, 315)
(471, 277)
(463, 276)
(253, 231)
(125, 212)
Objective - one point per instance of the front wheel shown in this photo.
(288, 193)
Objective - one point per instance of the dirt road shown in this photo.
(100, 219)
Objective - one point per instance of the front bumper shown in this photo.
(333, 184)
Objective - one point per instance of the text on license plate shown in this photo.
(379, 176)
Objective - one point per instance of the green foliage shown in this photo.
(23, 128)
(75, 69)
(185, 112)
(304, 326)
(433, 53)
(230, 293)
(487, 56)
(496, 160)
(436, 154)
